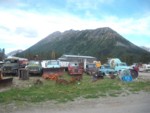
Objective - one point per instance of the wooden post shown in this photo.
(23, 74)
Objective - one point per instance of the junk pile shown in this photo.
(125, 75)
(72, 80)
(128, 75)
(115, 67)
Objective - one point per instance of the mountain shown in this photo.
(13, 53)
(101, 43)
(145, 48)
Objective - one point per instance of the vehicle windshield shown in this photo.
(91, 65)
(34, 63)
(74, 64)
(53, 63)
(107, 67)
(11, 61)
(123, 64)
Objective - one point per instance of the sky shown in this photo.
(25, 22)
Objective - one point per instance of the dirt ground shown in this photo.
(133, 103)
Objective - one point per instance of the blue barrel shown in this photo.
(127, 78)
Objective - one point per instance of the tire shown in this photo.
(103, 74)
(134, 74)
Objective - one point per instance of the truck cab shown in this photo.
(91, 68)
(34, 67)
(53, 64)
(11, 65)
(107, 70)
(121, 66)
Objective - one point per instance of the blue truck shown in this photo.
(117, 64)
(107, 70)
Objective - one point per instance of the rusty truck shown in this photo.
(13, 64)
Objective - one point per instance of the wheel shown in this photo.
(134, 74)
(103, 74)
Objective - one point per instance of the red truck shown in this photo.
(75, 68)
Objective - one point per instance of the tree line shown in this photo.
(128, 58)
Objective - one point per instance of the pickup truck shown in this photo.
(107, 70)
(117, 64)
(34, 67)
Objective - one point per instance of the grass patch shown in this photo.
(63, 93)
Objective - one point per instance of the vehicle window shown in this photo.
(107, 67)
(34, 62)
(91, 66)
(11, 61)
(74, 64)
(53, 63)
(122, 64)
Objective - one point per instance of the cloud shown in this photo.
(4, 28)
(20, 26)
(29, 33)
(139, 26)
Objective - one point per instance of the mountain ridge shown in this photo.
(13, 53)
(146, 48)
(100, 43)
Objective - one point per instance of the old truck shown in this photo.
(34, 67)
(106, 70)
(13, 64)
(75, 68)
(52, 69)
(117, 64)
(90, 68)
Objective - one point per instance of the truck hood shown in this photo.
(122, 67)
